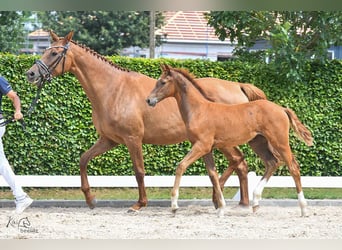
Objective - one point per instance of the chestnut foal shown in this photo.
(214, 125)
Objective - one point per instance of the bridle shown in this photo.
(45, 71)
(45, 74)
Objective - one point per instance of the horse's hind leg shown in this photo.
(102, 145)
(286, 155)
(238, 164)
(257, 193)
(261, 147)
(295, 173)
(134, 145)
(210, 165)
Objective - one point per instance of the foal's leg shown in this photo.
(238, 164)
(293, 167)
(281, 140)
(210, 165)
(260, 146)
(102, 145)
(195, 153)
(257, 193)
(287, 156)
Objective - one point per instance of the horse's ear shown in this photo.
(54, 37)
(165, 67)
(68, 37)
(162, 66)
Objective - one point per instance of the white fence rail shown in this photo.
(167, 181)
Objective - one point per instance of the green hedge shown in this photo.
(60, 128)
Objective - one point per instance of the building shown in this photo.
(334, 52)
(36, 42)
(186, 35)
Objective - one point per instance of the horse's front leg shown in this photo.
(102, 145)
(210, 165)
(195, 153)
(134, 145)
(238, 164)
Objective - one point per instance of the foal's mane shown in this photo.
(97, 55)
(191, 78)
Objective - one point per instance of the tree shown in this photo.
(293, 36)
(12, 33)
(106, 32)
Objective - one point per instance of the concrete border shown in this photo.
(168, 181)
(166, 203)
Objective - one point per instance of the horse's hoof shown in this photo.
(137, 206)
(256, 208)
(304, 213)
(92, 203)
(220, 212)
(215, 204)
(131, 210)
(174, 210)
(244, 204)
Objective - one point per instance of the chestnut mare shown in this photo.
(121, 115)
(215, 125)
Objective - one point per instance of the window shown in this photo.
(331, 54)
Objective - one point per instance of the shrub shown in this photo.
(60, 128)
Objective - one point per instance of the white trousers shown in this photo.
(7, 172)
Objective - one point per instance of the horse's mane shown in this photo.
(191, 77)
(99, 56)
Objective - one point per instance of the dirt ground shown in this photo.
(190, 222)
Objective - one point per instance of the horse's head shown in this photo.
(164, 87)
(53, 62)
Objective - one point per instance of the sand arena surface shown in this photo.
(190, 222)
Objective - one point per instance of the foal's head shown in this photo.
(172, 82)
(165, 86)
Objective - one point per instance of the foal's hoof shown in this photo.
(304, 213)
(174, 210)
(220, 212)
(92, 203)
(256, 208)
(215, 204)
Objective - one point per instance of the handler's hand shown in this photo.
(18, 116)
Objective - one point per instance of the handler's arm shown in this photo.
(16, 104)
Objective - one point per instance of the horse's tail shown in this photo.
(252, 92)
(301, 131)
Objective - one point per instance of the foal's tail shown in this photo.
(252, 92)
(301, 131)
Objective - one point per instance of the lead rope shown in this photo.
(35, 100)
(29, 111)
(47, 76)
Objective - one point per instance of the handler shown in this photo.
(22, 200)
